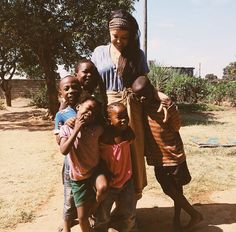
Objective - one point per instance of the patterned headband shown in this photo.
(119, 23)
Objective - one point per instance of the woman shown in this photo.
(119, 64)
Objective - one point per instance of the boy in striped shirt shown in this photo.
(164, 149)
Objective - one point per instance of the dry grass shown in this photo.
(212, 169)
(30, 165)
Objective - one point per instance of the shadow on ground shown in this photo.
(160, 219)
(32, 120)
(198, 118)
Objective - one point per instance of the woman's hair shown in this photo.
(130, 56)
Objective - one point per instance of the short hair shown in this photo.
(82, 61)
(113, 105)
(68, 76)
(140, 83)
(91, 98)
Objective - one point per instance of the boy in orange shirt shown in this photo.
(165, 150)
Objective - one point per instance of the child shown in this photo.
(90, 80)
(115, 151)
(81, 143)
(165, 151)
(70, 90)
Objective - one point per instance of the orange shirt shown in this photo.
(163, 144)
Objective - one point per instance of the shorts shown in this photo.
(172, 176)
(84, 190)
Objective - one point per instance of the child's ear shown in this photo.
(108, 122)
(77, 107)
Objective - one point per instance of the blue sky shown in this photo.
(190, 32)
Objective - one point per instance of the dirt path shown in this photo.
(154, 212)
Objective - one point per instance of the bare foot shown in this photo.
(176, 225)
(139, 195)
(195, 220)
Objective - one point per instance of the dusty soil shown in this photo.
(154, 212)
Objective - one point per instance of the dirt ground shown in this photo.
(154, 212)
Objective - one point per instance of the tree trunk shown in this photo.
(6, 87)
(52, 92)
(50, 76)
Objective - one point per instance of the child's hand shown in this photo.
(165, 100)
(162, 107)
(70, 122)
(79, 122)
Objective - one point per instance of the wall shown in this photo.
(23, 87)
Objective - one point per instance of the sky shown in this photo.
(190, 33)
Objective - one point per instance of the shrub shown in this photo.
(2, 107)
(218, 93)
(159, 76)
(182, 88)
(39, 98)
(231, 92)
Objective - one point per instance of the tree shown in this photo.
(9, 56)
(58, 32)
(230, 72)
(211, 77)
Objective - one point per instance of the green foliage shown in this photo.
(159, 76)
(57, 32)
(182, 88)
(39, 98)
(218, 93)
(231, 92)
(211, 77)
(230, 72)
(2, 107)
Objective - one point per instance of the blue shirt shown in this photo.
(62, 116)
(108, 70)
(60, 119)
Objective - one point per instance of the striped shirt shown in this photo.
(163, 144)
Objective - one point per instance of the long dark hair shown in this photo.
(130, 56)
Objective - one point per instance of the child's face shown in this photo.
(87, 76)
(70, 90)
(119, 118)
(88, 110)
(144, 95)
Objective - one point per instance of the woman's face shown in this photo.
(119, 38)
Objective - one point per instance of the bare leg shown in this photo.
(101, 187)
(176, 219)
(84, 211)
(177, 212)
(182, 202)
(67, 225)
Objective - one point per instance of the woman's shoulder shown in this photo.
(101, 48)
